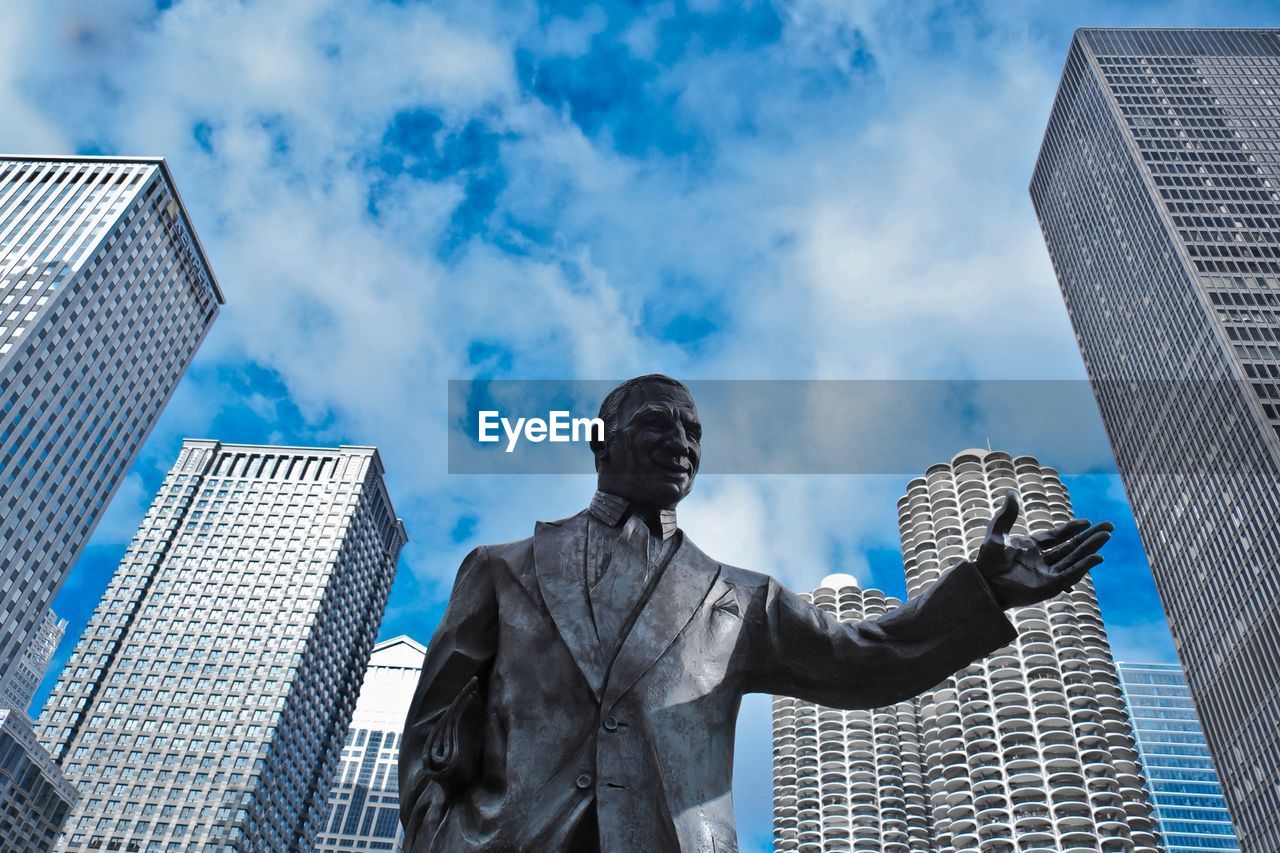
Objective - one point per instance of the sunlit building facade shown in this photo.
(207, 702)
(1158, 193)
(364, 798)
(105, 295)
(848, 780)
(1183, 782)
(1031, 747)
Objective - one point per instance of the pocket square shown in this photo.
(727, 603)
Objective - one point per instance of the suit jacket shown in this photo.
(650, 738)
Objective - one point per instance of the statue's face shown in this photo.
(652, 459)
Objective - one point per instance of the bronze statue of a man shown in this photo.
(582, 689)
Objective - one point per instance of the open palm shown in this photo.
(1024, 570)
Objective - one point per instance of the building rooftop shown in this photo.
(168, 179)
(840, 580)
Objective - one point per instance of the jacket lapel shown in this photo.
(674, 599)
(559, 554)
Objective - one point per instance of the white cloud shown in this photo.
(27, 127)
(791, 527)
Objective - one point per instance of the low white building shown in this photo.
(364, 798)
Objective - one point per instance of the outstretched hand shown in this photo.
(1024, 570)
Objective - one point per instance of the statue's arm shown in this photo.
(807, 653)
(441, 733)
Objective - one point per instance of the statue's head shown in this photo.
(652, 442)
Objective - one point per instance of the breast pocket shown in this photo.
(727, 605)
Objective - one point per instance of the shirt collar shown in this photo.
(613, 510)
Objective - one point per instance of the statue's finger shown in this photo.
(1072, 575)
(1058, 552)
(1065, 547)
(1061, 533)
(1079, 552)
(1006, 515)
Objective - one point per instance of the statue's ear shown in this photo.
(600, 447)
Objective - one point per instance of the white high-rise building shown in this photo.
(18, 686)
(364, 799)
(206, 704)
(1030, 748)
(848, 780)
(105, 295)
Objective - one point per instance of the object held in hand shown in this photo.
(455, 746)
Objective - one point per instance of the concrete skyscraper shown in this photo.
(1030, 748)
(105, 294)
(846, 780)
(1180, 774)
(1158, 192)
(208, 699)
(364, 799)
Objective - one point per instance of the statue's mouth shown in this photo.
(673, 464)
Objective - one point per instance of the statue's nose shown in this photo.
(680, 439)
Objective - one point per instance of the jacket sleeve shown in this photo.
(436, 747)
(809, 654)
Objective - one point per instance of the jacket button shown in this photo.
(584, 781)
(610, 723)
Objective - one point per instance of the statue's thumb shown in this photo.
(1006, 515)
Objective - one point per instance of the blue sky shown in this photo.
(398, 194)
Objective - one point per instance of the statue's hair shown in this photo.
(613, 404)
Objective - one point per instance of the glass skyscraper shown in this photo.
(105, 294)
(1183, 783)
(207, 701)
(1158, 192)
(364, 799)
